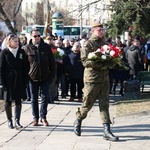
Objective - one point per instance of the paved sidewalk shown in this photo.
(133, 130)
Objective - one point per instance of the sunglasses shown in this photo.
(36, 36)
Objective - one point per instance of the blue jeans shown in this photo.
(28, 92)
(43, 86)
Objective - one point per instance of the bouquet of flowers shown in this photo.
(108, 53)
(58, 53)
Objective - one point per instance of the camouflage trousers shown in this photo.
(93, 92)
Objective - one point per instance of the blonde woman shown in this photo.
(13, 75)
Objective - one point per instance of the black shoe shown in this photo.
(18, 125)
(28, 99)
(51, 102)
(10, 124)
(8, 110)
(57, 99)
(17, 116)
(108, 134)
(77, 127)
(63, 96)
(71, 99)
(121, 93)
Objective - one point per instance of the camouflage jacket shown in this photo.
(93, 72)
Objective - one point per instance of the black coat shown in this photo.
(134, 59)
(75, 68)
(13, 74)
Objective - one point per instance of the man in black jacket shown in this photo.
(41, 72)
(134, 59)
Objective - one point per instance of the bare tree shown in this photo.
(39, 14)
(8, 12)
(35, 16)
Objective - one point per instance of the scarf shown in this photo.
(13, 51)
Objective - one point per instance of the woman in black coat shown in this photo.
(13, 75)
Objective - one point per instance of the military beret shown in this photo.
(96, 24)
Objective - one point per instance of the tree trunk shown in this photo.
(6, 20)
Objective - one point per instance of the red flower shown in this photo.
(117, 51)
(108, 53)
(54, 50)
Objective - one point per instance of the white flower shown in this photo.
(105, 47)
(91, 55)
(61, 52)
(112, 53)
(98, 50)
(104, 56)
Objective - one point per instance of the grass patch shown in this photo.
(124, 107)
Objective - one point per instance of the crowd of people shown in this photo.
(55, 68)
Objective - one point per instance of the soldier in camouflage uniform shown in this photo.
(96, 85)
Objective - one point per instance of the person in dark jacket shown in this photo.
(13, 75)
(67, 49)
(75, 71)
(134, 59)
(60, 62)
(118, 75)
(23, 42)
(41, 73)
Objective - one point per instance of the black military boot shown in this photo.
(108, 134)
(17, 116)
(77, 127)
(8, 110)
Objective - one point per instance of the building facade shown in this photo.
(84, 12)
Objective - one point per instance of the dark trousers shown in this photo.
(62, 84)
(76, 84)
(67, 84)
(28, 93)
(44, 91)
(17, 102)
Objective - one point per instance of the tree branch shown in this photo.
(84, 7)
(1, 18)
(6, 20)
(17, 7)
